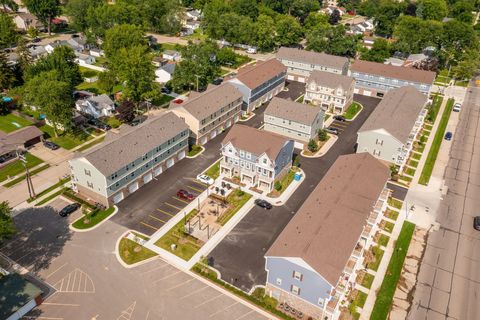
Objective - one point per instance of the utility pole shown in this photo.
(24, 160)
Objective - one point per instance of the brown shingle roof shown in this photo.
(397, 112)
(8, 142)
(331, 80)
(290, 110)
(311, 57)
(254, 75)
(408, 74)
(129, 145)
(255, 141)
(326, 228)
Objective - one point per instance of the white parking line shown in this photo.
(60, 304)
(194, 292)
(221, 310)
(156, 268)
(51, 274)
(179, 285)
(209, 300)
(166, 277)
(244, 315)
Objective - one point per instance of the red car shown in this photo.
(178, 101)
(183, 194)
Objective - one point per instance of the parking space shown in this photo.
(293, 90)
(339, 125)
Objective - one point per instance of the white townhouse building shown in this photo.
(333, 92)
(389, 132)
(257, 157)
(129, 158)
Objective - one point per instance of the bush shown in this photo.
(322, 135)
(278, 186)
(240, 193)
(296, 161)
(312, 146)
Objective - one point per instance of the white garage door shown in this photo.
(158, 171)
(147, 178)
(133, 187)
(118, 197)
(290, 77)
(367, 93)
(298, 145)
(203, 140)
(170, 162)
(181, 155)
(229, 123)
(300, 79)
(355, 90)
(213, 134)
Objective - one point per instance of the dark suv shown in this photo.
(68, 209)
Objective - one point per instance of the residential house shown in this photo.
(50, 47)
(172, 55)
(363, 27)
(375, 79)
(22, 138)
(96, 106)
(19, 296)
(315, 259)
(129, 158)
(257, 157)
(78, 43)
(298, 121)
(26, 20)
(165, 73)
(209, 113)
(84, 59)
(37, 52)
(259, 83)
(159, 61)
(390, 130)
(333, 92)
(193, 14)
(96, 52)
(330, 9)
(301, 63)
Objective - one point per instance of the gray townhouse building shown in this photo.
(375, 79)
(209, 113)
(314, 261)
(390, 130)
(129, 158)
(259, 83)
(294, 120)
(301, 63)
(258, 157)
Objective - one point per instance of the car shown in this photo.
(339, 118)
(448, 136)
(36, 39)
(178, 101)
(205, 179)
(457, 107)
(68, 210)
(165, 90)
(252, 50)
(476, 223)
(217, 81)
(50, 145)
(184, 194)
(332, 130)
(263, 204)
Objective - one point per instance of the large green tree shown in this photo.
(77, 11)
(7, 76)
(387, 13)
(162, 15)
(8, 33)
(332, 40)
(427, 33)
(122, 36)
(380, 51)
(247, 8)
(44, 10)
(432, 9)
(264, 37)
(7, 228)
(289, 31)
(462, 11)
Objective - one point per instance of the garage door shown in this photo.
(147, 178)
(300, 79)
(170, 162)
(181, 155)
(118, 197)
(367, 93)
(229, 123)
(355, 90)
(158, 171)
(290, 77)
(133, 187)
(298, 145)
(213, 134)
(203, 140)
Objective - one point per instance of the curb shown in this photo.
(355, 117)
(71, 227)
(120, 260)
(278, 203)
(319, 153)
(193, 157)
(245, 120)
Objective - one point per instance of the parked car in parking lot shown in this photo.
(332, 130)
(68, 210)
(205, 179)
(457, 107)
(448, 136)
(50, 145)
(339, 118)
(184, 194)
(263, 204)
(476, 223)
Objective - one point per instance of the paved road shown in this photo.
(449, 278)
(239, 257)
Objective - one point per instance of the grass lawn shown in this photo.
(282, 184)
(214, 170)
(352, 111)
(388, 226)
(383, 240)
(91, 144)
(327, 116)
(463, 83)
(391, 214)
(359, 301)
(416, 156)
(11, 122)
(406, 178)
(427, 126)
(387, 290)
(45, 191)
(113, 122)
(93, 218)
(433, 109)
(50, 197)
(395, 203)
(88, 73)
(163, 100)
(24, 176)
(194, 150)
(67, 140)
(131, 252)
(412, 163)
(187, 246)
(435, 148)
(236, 200)
(378, 254)
(410, 171)
(91, 87)
(169, 46)
(16, 167)
(419, 147)
(300, 99)
(367, 280)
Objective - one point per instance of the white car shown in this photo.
(205, 179)
(252, 50)
(457, 107)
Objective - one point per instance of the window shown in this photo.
(320, 302)
(89, 184)
(379, 142)
(242, 153)
(87, 173)
(294, 289)
(264, 160)
(279, 281)
(249, 155)
(297, 275)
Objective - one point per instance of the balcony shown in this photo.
(384, 195)
(332, 305)
(358, 251)
(350, 266)
(367, 230)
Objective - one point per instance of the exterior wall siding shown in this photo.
(304, 69)
(381, 145)
(379, 84)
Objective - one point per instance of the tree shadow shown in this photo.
(15, 292)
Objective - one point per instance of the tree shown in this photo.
(315, 20)
(427, 33)
(264, 37)
(9, 4)
(385, 16)
(322, 135)
(332, 40)
(126, 111)
(312, 145)
(334, 17)
(106, 81)
(380, 51)
(162, 15)
(302, 8)
(122, 36)
(77, 9)
(457, 37)
(462, 11)
(247, 8)
(7, 77)
(289, 31)
(25, 59)
(432, 9)
(8, 34)
(467, 66)
(44, 10)
(226, 56)
(7, 228)
(280, 6)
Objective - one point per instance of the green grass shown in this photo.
(384, 300)
(113, 122)
(69, 140)
(162, 101)
(90, 87)
(91, 144)
(22, 177)
(187, 245)
(434, 108)
(327, 116)
(68, 193)
(406, 178)
(352, 111)
(428, 126)
(50, 197)
(388, 226)
(391, 214)
(367, 280)
(170, 46)
(463, 83)
(45, 191)
(412, 163)
(300, 99)
(94, 218)
(7, 123)
(283, 183)
(88, 73)
(214, 170)
(129, 256)
(359, 301)
(419, 148)
(416, 156)
(236, 200)
(395, 203)
(16, 167)
(383, 240)
(194, 150)
(378, 253)
(410, 171)
(435, 148)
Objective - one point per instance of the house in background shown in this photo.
(390, 130)
(84, 59)
(165, 73)
(96, 52)
(333, 92)
(96, 106)
(22, 138)
(376, 79)
(301, 63)
(26, 20)
(259, 83)
(37, 52)
(209, 113)
(172, 55)
(298, 121)
(314, 261)
(258, 157)
(129, 158)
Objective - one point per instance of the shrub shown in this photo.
(240, 193)
(278, 186)
(312, 145)
(296, 161)
(322, 135)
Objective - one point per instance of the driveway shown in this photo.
(293, 90)
(240, 255)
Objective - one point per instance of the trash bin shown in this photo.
(298, 176)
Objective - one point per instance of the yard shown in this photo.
(377, 255)
(214, 170)
(282, 184)
(367, 280)
(433, 109)
(395, 203)
(391, 214)
(66, 140)
(352, 111)
(443, 78)
(131, 252)
(194, 150)
(236, 200)
(16, 167)
(91, 144)
(11, 122)
(93, 218)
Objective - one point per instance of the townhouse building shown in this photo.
(259, 83)
(389, 132)
(333, 92)
(301, 63)
(376, 79)
(209, 113)
(129, 158)
(312, 264)
(298, 121)
(257, 157)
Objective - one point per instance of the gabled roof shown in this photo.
(328, 225)
(255, 75)
(311, 57)
(397, 112)
(330, 80)
(294, 111)
(8, 142)
(129, 145)
(255, 141)
(389, 71)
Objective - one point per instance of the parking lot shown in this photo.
(339, 125)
